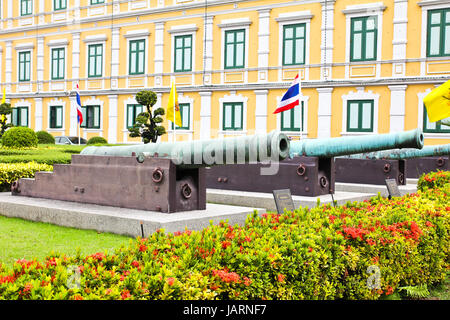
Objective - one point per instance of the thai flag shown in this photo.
(291, 98)
(80, 114)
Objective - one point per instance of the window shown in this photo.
(360, 115)
(59, 4)
(292, 120)
(438, 39)
(364, 33)
(97, 1)
(433, 127)
(234, 49)
(183, 53)
(95, 60)
(58, 63)
(233, 116)
(24, 65)
(185, 111)
(56, 117)
(133, 110)
(20, 116)
(91, 117)
(137, 56)
(294, 44)
(26, 7)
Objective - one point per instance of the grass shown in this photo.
(22, 239)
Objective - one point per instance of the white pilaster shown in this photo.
(205, 114)
(400, 37)
(112, 115)
(8, 65)
(40, 63)
(327, 38)
(208, 53)
(38, 114)
(159, 53)
(75, 58)
(324, 112)
(73, 123)
(115, 58)
(397, 110)
(10, 14)
(263, 44)
(261, 111)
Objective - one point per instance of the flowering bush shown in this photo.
(10, 172)
(318, 253)
(432, 180)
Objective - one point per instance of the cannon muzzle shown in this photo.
(334, 147)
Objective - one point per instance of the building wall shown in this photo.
(396, 81)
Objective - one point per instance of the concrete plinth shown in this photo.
(373, 188)
(266, 200)
(118, 220)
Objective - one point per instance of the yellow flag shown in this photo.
(437, 103)
(4, 96)
(173, 106)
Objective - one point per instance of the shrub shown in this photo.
(432, 180)
(10, 172)
(97, 140)
(19, 137)
(45, 138)
(318, 253)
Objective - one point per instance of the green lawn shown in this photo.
(22, 239)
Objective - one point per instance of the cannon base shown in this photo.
(368, 171)
(154, 185)
(418, 166)
(304, 176)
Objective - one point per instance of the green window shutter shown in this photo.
(24, 66)
(137, 57)
(20, 116)
(293, 119)
(183, 53)
(234, 49)
(95, 60)
(58, 63)
(233, 116)
(360, 115)
(26, 7)
(133, 110)
(438, 33)
(56, 117)
(97, 1)
(294, 45)
(433, 127)
(185, 111)
(364, 37)
(59, 4)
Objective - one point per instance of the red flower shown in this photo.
(170, 281)
(281, 277)
(135, 263)
(142, 248)
(78, 297)
(310, 249)
(125, 294)
(226, 244)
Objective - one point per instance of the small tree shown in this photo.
(147, 124)
(5, 109)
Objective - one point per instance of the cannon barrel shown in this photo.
(334, 147)
(202, 153)
(401, 154)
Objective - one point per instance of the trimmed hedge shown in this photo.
(10, 172)
(318, 253)
(97, 140)
(45, 138)
(47, 154)
(20, 137)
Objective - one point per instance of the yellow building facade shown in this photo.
(364, 66)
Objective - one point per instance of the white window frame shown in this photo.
(231, 98)
(184, 30)
(58, 44)
(298, 17)
(304, 132)
(23, 103)
(132, 36)
(57, 102)
(360, 94)
(357, 11)
(25, 86)
(234, 24)
(93, 101)
(427, 135)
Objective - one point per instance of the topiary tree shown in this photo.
(44, 137)
(147, 124)
(5, 109)
(20, 137)
(97, 140)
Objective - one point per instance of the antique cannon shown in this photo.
(165, 177)
(310, 171)
(429, 158)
